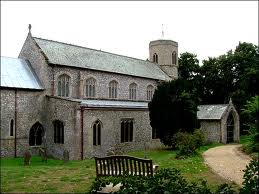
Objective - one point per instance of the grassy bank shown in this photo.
(77, 176)
(246, 141)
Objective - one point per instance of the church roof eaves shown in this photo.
(77, 56)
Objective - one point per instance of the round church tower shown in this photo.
(165, 54)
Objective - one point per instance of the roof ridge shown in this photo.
(94, 49)
(211, 104)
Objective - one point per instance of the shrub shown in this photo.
(198, 138)
(225, 189)
(167, 180)
(187, 143)
(251, 177)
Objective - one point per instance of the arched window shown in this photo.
(155, 58)
(36, 134)
(126, 130)
(113, 89)
(133, 91)
(150, 92)
(97, 132)
(58, 131)
(63, 85)
(174, 58)
(90, 87)
(11, 127)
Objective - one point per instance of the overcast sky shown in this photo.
(126, 28)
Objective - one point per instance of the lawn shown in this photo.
(77, 176)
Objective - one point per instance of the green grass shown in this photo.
(77, 176)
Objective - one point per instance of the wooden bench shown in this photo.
(123, 165)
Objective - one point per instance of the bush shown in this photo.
(167, 180)
(251, 177)
(188, 143)
(198, 138)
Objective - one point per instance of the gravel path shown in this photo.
(227, 161)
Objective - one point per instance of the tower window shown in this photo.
(97, 133)
(155, 58)
(126, 130)
(174, 58)
(11, 127)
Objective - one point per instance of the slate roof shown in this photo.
(114, 104)
(211, 112)
(18, 73)
(76, 56)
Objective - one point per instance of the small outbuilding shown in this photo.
(219, 122)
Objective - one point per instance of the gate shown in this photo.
(230, 128)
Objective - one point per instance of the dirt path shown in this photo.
(227, 161)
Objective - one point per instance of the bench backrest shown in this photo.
(123, 165)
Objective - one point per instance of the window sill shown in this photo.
(36, 146)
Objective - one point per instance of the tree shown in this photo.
(251, 111)
(188, 66)
(172, 108)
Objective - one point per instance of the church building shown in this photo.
(71, 98)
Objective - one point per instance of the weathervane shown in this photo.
(29, 27)
(162, 31)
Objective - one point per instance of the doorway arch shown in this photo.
(230, 128)
(36, 134)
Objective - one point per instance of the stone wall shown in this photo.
(30, 108)
(211, 130)
(68, 112)
(111, 130)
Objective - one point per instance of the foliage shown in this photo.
(188, 143)
(168, 180)
(251, 178)
(232, 75)
(198, 138)
(188, 66)
(225, 189)
(172, 108)
(251, 111)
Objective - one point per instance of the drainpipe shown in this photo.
(52, 82)
(82, 132)
(15, 123)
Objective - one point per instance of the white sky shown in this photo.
(126, 28)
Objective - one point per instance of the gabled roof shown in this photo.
(18, 73)
(211, 112)
(76, 56)
(114, 104)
